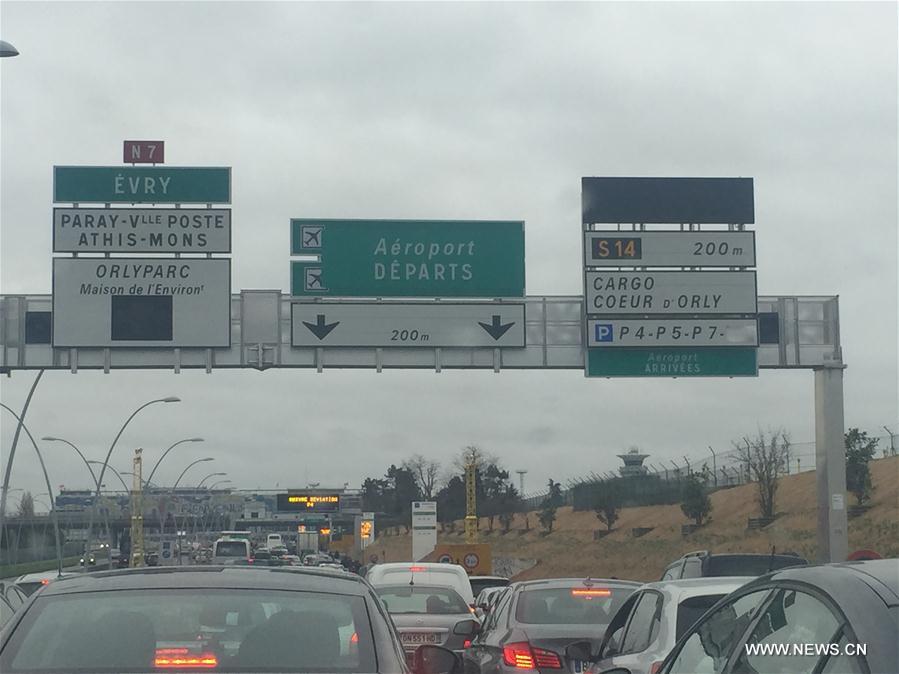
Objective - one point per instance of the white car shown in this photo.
(422, 573)
(649, 623)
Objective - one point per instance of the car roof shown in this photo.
(43, 575)
(568, 582)
(267, 578)
(694, 587)
(487, 578)
(425, 566)
(882, 575)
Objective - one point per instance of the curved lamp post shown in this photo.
(200, 483)
(189, 466)
(6, 49)
(216, 484)
(168, 399)
(171, 447)
(116, 473)
(49, 489)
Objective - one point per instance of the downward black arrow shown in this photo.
(319, 328)
(496, 330)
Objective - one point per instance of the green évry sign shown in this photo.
(408, 258)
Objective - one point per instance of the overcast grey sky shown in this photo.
(460, 111)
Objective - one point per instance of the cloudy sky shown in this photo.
(460, 111)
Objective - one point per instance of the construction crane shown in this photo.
(137, 512)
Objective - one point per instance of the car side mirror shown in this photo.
(579, 650)
(430, 659)
(467, 628)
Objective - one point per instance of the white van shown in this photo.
(273, 541)
(231, 551)
(422, 573)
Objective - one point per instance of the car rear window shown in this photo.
(192, 630)
(231, 549)
(746, 565)
(408, 599)
(577, 605)
(689, 610)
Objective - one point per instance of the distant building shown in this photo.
(633, 463)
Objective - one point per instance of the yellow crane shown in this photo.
(471, 499)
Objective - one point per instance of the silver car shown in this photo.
(650, 622)
(425, 614)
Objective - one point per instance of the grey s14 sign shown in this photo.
(419, 324)
(671, 292)
(669, 249)
(141, 230)
(612, 332)
(141, 302)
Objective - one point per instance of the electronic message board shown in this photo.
(310, 503)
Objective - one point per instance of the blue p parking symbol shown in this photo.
(603, 332)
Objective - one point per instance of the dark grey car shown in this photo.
(429, 615)
(224, 618)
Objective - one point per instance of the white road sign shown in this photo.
(610, 333)
(141, 302)
(669, 249)
(425, 324)
(141, 230)
(670, 292)
(424, 528)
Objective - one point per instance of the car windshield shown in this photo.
(479, 584)
(230, 549)
(401, 599)
(569, 605)
(748, 565)
(205, 629)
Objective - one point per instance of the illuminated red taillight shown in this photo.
(417, 568)
(466, 643)
(518, 655)
(522, 655)
(656, 666)
(45, 581)
(174, 658)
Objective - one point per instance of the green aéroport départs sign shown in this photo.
(408, 258)
(698, 362)
(142, 185)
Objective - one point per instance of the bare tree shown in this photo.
(472, 453)
(765, 457)
(426, 473)
(26, 505)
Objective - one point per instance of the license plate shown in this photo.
(419, 638)
(579, 666)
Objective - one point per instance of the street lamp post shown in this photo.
(189, 466)
(49, 488)
(116, 473)
(168, 399)
(171, 447)
(7, 50)
(200, 483)
(216, 484)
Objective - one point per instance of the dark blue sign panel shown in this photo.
(667, 200)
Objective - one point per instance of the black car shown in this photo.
(212, 618)
(829, 619)
(702, 564)
(533, 623)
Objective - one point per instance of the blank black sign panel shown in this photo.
(142, 318)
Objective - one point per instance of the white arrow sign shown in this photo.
(394, 324)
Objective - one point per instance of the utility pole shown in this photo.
(137, 512)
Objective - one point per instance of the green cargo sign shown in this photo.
(141, 185)
(408, 258)
(704, 362)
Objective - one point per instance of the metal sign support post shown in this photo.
(830, 462)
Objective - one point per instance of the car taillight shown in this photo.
(546, 659)
(656, 666)
(466, 644)
(45, 581)
(181, 658)
(518, 655)
(417, 568)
